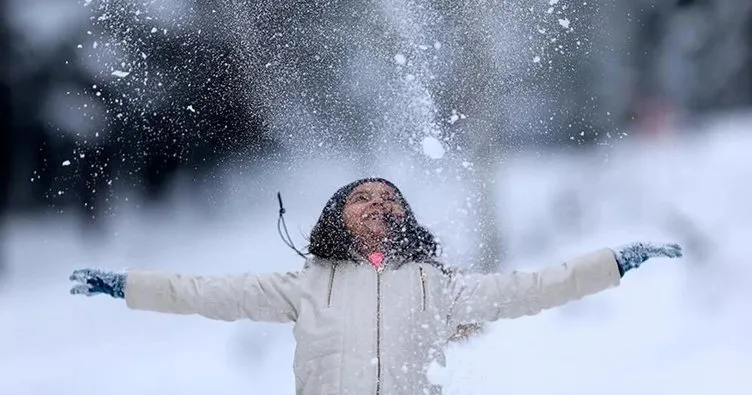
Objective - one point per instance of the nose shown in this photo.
(378, 200)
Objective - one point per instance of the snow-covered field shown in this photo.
(672, 327)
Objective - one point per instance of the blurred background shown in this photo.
(156, 134)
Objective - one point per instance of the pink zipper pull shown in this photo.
(376, 259)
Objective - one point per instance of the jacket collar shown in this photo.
(390, 261)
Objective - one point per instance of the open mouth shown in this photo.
(386, 218)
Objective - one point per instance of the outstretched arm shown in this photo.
(270, 297)
(489, 297)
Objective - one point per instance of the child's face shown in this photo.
(367, 211)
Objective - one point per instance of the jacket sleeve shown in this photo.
(270, 297)
(490, 297)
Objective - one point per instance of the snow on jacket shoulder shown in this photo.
(362, 331)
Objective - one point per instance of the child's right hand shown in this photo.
(95, 281)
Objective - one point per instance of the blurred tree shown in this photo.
(6, 123)
(687, 57)
(82, 134)
(183, 107)
(6, 126)
(41, 178)
(476, 87)
(528, 84)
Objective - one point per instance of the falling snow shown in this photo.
(456, 116)
(432, 147)
(316, 81)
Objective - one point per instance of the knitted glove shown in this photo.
(94, 281)
(631, 256)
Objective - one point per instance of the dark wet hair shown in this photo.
(330, 239)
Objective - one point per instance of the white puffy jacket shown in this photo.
(360, 331)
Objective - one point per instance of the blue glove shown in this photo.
(94, 281)
(631, 256)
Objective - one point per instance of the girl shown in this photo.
(372, 307)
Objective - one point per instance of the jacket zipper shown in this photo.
(378, 331)
(331, 286)
(423, 287)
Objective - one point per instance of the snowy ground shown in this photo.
(672, 327)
